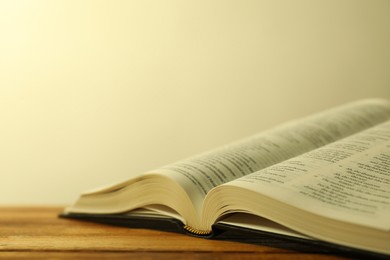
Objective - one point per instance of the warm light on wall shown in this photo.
(93, 91)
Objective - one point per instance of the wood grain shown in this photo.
(34, 232)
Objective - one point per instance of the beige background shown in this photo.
(92, 92)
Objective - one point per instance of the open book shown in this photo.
(325, 177)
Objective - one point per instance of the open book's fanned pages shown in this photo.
(339, 193)
(331, 169)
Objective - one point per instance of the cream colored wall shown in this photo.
(92, 92)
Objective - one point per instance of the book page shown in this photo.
(199, 174)
(258, 223)
(347, 180)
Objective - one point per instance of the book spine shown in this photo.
(197, 232)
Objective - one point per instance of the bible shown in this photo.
(322, 178)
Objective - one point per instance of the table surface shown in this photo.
(38, 232)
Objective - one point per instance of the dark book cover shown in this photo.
(226, 232)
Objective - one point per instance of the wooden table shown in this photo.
(38, 232)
